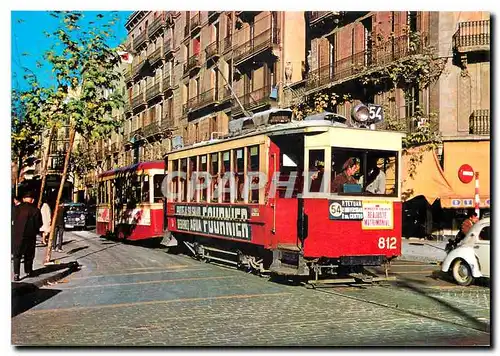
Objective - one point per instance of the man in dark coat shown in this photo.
(27, 221)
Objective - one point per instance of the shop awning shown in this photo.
(428, 178)
(476, 154)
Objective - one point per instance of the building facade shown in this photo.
(194, 71)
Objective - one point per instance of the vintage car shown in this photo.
(471, 258)
(75, 215)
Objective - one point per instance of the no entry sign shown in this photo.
(465, 173)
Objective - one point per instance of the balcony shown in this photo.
(212, 50)
(252, 100)
(224, 94)
(167, 123)
(227, 44)
(126, 106)
(472, 36)
(258, 44)
(151, 129)
(167, 82)
(315, 17)
(187, 30)
(363, 62)
(140, 40)
(194, 23)
(192, 63)
(138, 100)
(155, 56)
(115, 147)
(202, 100)
(153, 91)
(479, 122)
(167, 48)
(127, 73)
(156, 25)
(137, 67)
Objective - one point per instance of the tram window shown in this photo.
(145, 189)
(183, 179)
(239, 165)
(253, 166)
(203, 168)
(317, 171)
(226, 167)
(364, 172)
(157, 181)
(136, 191)
(214, 171)
(175, 180)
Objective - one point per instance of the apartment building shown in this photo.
(194, 71)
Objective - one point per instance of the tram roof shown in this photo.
(135, 167)
(310, 124)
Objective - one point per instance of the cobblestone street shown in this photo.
(132, 295)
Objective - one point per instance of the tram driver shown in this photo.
(349, 169)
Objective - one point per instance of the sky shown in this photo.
(28, 42)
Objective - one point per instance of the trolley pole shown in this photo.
(476, 197)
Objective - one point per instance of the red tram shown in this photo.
(290, 197)
(130, 201)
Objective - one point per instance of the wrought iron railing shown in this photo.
(151, 129)
(153, 91)
(192, 62)
(253, 99)
(167, 47)
(127, 73)
(227, 44)
(167, 122)
(224, 93)
(472, 33)
(318, 15)
(187, 30)
(360, 62)
(479, 122)
(167, 82)
(155, 56)
(157, 24)
(212, 14)
(256, 44)
(136, 67)
(140, 39)
(212, 50)
(137, 100)
(195, 22)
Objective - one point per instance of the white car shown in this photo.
(471, 258)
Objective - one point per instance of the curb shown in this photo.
(420, 259)
(26, 288)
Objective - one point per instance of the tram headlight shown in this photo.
(361, 114)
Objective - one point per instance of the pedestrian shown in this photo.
(27, 221)
(58, 239)
(46, 217)
(349, 169)
(464, 229)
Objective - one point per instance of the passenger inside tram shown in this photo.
(376, 179)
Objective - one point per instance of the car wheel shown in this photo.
(462, 273)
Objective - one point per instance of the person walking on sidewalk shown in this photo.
(27, 221)
(58, 240)
(46, 215)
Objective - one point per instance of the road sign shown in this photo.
(465, 173)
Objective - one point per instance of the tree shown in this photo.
(85, 67)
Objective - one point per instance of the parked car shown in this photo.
(75, 215)
(471, 258)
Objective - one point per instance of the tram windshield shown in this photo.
(354, 172)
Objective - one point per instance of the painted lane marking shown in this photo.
(124, 305)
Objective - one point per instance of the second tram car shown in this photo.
(130, 201)
(289, 197)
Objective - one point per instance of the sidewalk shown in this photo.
(415, 249)
(49, 273)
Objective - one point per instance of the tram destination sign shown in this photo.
(345, 209)
(226, 221)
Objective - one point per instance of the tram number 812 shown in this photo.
(387, 243)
